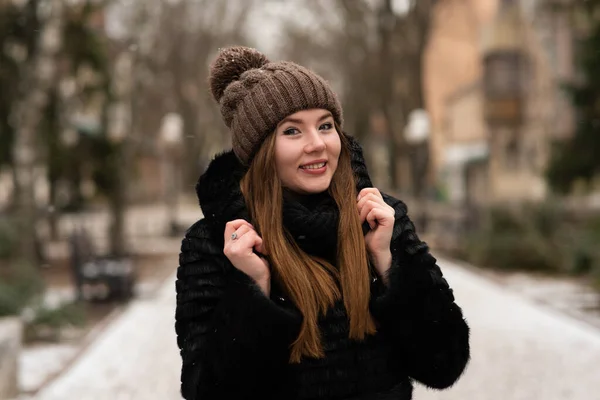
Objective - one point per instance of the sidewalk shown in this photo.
(135, 358)
(521, 350)
(146, 226)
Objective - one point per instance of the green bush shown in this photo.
(510, 239)
(66, 314)
(534, 237)
(48, 323)
(587, 253)
(8, 237)
(22, 288)
(19, 287)
(596, 278)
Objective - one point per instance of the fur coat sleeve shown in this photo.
(417, 310)
(232, 338)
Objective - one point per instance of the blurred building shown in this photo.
(493, 126)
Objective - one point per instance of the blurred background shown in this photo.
(482, 115)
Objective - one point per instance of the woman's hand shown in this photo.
(240, 242)
(380, 217)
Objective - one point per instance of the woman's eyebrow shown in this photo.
(292, 120)
(325, 116)
(299, 121)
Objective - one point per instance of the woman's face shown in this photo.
(307, 149)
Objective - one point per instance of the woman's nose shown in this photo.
(315, 142)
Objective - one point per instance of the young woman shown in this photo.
(302, 281)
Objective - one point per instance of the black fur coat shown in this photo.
(235, 341)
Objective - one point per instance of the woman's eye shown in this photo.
(326, 126)
(290, 131)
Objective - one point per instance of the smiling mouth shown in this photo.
(314, 166)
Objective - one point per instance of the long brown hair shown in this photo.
(312, 283)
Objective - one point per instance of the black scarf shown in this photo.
(312, 220)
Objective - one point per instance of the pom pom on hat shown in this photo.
(230, 64)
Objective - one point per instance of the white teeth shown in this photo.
(314, 166)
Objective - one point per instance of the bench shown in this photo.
(100, 278)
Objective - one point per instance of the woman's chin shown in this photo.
(314, 189)
(311, 187)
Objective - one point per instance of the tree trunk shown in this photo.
(413, 31)
(387, 22)
(38, 79)
(53, 212)
(118, 207)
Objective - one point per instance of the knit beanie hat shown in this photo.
(256, 94)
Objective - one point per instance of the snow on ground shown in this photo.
(36, 364)
(135, 358)
(521, 350)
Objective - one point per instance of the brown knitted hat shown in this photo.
(256, 94)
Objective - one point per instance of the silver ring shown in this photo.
(234, 236)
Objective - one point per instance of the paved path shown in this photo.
(136, 358)
(521, 351)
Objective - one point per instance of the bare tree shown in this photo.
(39, 77)
(186, 35)
(402, 63)
(343, 50)
(376, 51)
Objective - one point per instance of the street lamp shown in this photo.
(400, 7)
(418, 127)
(416, 135)
(171, 136)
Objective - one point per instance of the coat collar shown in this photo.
(219, 193)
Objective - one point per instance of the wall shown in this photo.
(10, 347)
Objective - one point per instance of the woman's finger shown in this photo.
(366, 209)
(370, 196)
(234, 225)
(366, 191)
(237, 245)
(259, 246)
(241, 231)
(379, 216)
(245, 240)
